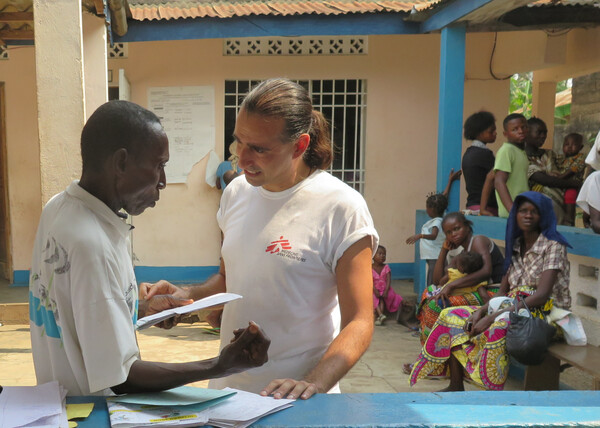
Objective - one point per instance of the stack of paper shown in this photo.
(187, 406)
(178, 407)
(207, 302)
(33, 406)
(243, 409)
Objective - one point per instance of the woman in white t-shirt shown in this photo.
(297, 246)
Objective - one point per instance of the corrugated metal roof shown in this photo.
(174, 9)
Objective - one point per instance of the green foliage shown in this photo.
(520, 94)
(521, 97)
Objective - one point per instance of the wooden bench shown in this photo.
(545, 377)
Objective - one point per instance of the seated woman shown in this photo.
(472, 341)
(459, 238)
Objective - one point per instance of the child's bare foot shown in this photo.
(407, 368)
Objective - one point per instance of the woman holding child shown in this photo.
(462, 291)
(542, 171)
(471, 341)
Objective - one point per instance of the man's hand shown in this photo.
(147, 290)
(290, 388)
(247, 349)
(161, 296)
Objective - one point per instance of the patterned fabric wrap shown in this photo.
(483, 357)
(429, 311)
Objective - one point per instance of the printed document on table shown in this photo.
(39, 406)
(207, 302)
(244, 408)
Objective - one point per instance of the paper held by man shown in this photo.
(207, 302)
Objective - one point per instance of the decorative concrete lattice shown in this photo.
(117, 51)
(339, 45)
(3, 52)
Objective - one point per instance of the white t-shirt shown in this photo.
(280, 252)
(82, 295)
(589, 195)
(430, 249)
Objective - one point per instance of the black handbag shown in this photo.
(528, 338)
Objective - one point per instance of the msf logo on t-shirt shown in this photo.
(277, 246)
(282, 247)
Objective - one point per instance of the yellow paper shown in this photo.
(72, 424)
(79, 410)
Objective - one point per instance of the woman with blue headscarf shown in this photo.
(470, 341)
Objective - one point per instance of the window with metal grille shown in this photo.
(342, 102)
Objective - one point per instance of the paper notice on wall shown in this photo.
(188, 115)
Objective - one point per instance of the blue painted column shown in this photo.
(450, 114)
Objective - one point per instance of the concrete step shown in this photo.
(14, 313)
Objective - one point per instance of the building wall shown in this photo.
(23, 158)
(401, 127)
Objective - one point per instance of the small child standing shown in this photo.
(384, 296)
(431, 237)
(571, 165)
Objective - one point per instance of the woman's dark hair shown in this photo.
(438, 202)
(382, 247)
(477, 123)
(282, 98)
(457, 215)
(470, 261)
(115, 125)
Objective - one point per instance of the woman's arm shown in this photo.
(440, 264)
(486, 193)
(550, 181)
(481, 245)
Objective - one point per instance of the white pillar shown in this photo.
(543, 99)
(95, 62)
(60, 91)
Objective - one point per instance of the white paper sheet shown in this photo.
(41, 405)
(187, 114)
(207, 302)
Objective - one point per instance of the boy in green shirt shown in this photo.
(511, 163)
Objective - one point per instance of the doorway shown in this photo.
(5, 256)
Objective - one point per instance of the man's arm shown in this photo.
(353, 277)
(500, 180)
(247, 350)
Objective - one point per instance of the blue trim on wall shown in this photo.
(402, 270)
(452, 89)
(451, 13)
(269, 26)
(175, 274)
(20, 278)
(584, 241)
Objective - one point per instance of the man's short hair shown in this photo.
(115, 125)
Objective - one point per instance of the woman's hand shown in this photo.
(482, 325)
(448, 245)
(444, 295)
(473, 319)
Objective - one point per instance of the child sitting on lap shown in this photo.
(462, 265)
